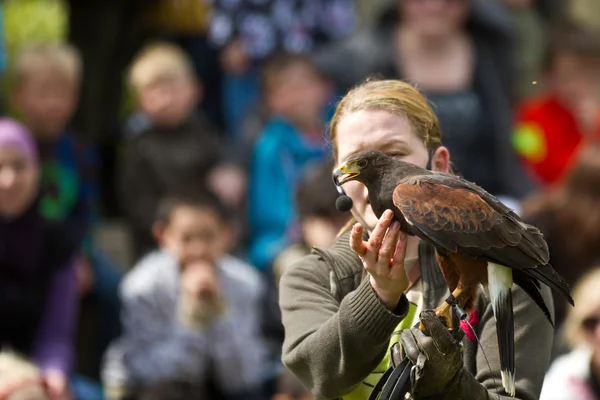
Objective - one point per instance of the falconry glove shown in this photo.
(438, 371)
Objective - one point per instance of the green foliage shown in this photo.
(29, 21)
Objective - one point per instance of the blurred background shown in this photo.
(135, 104)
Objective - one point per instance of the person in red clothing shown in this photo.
(551, 128)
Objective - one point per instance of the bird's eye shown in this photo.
(362, 163)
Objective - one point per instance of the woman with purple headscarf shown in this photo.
(38, 295)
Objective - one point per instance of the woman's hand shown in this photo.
(383, 257)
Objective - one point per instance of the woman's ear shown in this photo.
(440, 160)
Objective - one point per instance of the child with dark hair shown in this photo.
(551, 128)
(296, 95)
(319, 221)
(191, 311)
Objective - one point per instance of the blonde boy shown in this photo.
(45, 86)
(164, 83)
(178, 149)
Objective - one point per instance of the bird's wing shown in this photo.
(457, 215)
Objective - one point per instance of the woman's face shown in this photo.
(435, 18)
(387, 132)
(18, 182)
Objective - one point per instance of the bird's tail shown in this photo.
(500, 280)
(547, 275)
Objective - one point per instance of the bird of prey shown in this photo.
(477, 239)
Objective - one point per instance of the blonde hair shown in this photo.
(396, 97)
(15, 369)
(587, 299)
(157, 61)
(59, 58)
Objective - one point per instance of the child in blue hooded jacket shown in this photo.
(296, 96)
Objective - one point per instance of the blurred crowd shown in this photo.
(201, 126)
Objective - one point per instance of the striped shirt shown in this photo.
(156, 346)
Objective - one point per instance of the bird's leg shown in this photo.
(445, 310)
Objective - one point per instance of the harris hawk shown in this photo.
(477, 239)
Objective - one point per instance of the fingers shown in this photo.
(385, 250)
(356, 240)
(380, 230)
(400, 250)
(389, 243)
(438, 332)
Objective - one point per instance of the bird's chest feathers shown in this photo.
(381, 202)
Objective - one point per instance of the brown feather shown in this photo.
(458, 219)
(464, 272)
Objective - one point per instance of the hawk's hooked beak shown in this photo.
(346, 172)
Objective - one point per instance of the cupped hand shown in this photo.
(199, 280)
(383, 258)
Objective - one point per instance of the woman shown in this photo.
(339, 326)
(577, 375)
(458, 53)
(38, 296)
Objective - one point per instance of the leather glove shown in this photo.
(438, 371)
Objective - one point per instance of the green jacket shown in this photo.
(337, 330)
